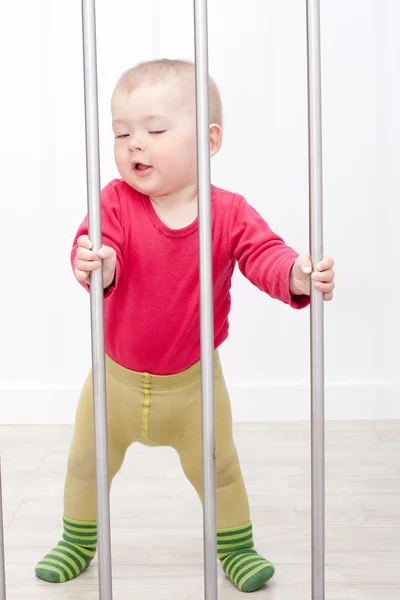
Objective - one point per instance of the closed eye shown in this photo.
(123, 135)
(158, 132)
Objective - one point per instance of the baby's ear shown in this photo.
(215, 138)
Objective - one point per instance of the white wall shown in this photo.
(258, 57)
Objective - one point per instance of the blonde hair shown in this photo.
(158, 70)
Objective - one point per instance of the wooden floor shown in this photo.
(157, 519)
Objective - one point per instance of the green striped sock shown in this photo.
(73, 553)
(247, 570)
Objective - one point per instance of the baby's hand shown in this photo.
(87, 261)
(323, 277)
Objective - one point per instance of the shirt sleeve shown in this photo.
(111, 231)
(262, 256)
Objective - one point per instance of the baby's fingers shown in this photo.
(106, 252)
(84, 242)
(324, 276)
(325, 264)
(325, 287)
(85, 254)
(81, 275)
(86, 265)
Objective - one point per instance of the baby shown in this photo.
(151, 310)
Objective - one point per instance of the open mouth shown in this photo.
(141, 167)
(141, 170)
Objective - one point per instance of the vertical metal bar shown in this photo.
(96, 300)
(317, 308)
(206, 299)
(2, 557)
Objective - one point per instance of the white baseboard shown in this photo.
(343, 402)
(250, 403)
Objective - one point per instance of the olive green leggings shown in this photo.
(156, 411)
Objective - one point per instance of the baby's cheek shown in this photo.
(180, 162)
(120, 158)
(189, 156)
(169, 159)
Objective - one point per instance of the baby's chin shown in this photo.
(147, 188)
(143, 185)
(155, 189)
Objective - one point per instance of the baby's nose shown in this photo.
(136, 143)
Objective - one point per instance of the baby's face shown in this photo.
(155, 137)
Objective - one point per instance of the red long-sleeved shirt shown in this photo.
(152, 320)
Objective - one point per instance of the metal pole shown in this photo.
(2, 559)
(317, 308)
(206, 299)
(96, 300)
